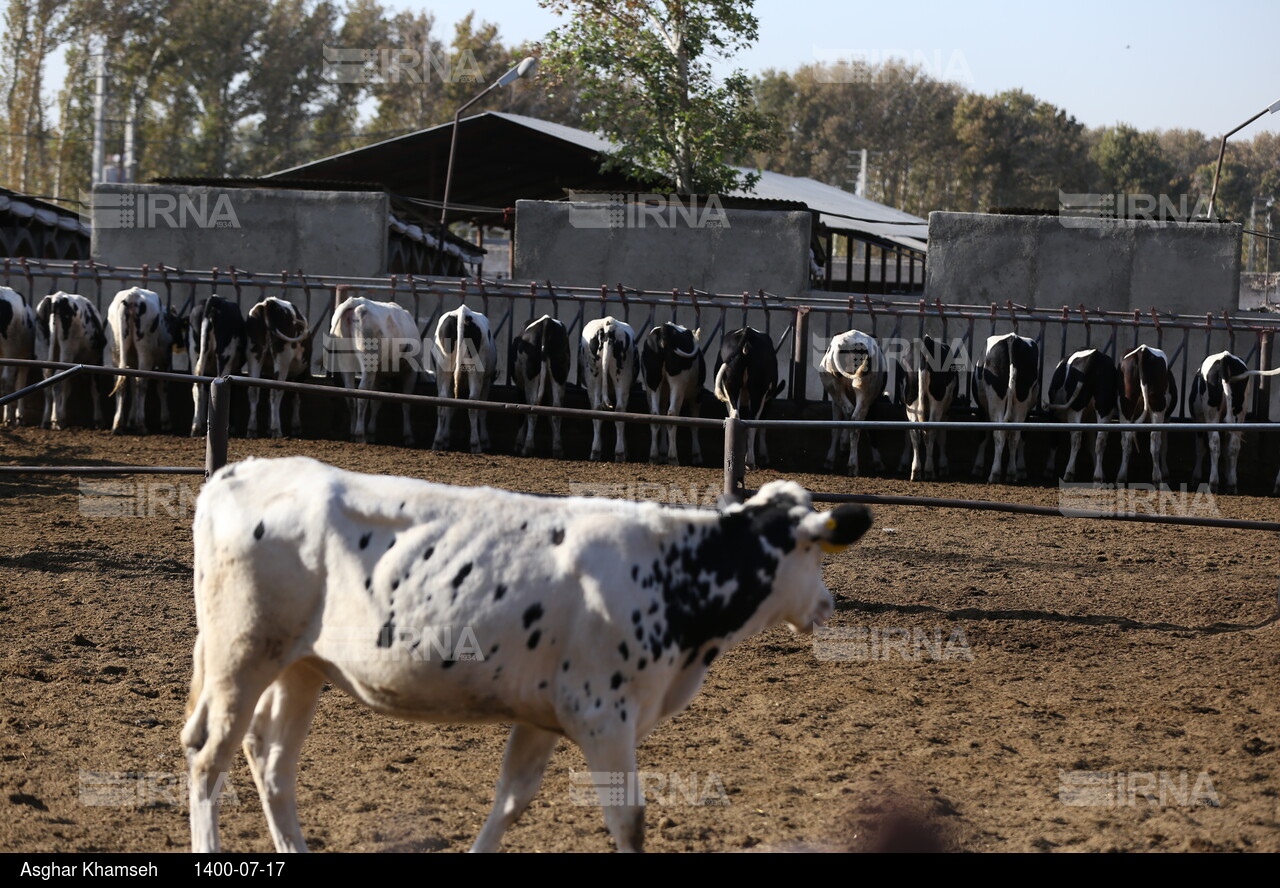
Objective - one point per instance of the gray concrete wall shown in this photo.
(588, 244)
(261, 230)
(1048, 262)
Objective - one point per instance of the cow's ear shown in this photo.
(835, 530)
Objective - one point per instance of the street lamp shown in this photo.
(1222, 149)
(524, 69)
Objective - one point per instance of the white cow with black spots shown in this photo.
(607, 361)
(18, 341)
(369, 341)
(591, 619)
(466, 361)
(70, 331)
(853, 372)
(142, 333)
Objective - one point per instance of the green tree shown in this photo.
(1132, 162)
(644, 73)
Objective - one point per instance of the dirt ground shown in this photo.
(988, 660)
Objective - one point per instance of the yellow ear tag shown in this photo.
(827, 545)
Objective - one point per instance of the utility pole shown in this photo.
(99, 113)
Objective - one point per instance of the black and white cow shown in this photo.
(216, 344)
(1006, 385)
(18, 340)
(142, 333)
(1084, 389)
(607, 369)
(539, 365)
(370, 341)
(586, 618)
(69, 330)
(673, 373)
(747, 380)
(1148, 394)
(927, 386)
(278, 346)
(466, 362)
(1218, 396)
(854, 373)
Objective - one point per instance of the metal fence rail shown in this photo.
(734, 471)
(800, 327)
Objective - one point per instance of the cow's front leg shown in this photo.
(528, 751)
(200, 405)
(944, 467)
(1019, 454)
(255, 394)
(611, 759)
(297, 414)
(166, 419)
(557, 444)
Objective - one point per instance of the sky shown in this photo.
(1154, 65)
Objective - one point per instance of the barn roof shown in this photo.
(502, 158)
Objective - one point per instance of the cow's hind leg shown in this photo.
(528, 751)
(221, 709)
(1233, 455)
(273, 745)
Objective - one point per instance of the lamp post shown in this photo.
(524, 69)
(1222, 149)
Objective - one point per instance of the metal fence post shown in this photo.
(735, 458)
(215, 454)
(800, 356)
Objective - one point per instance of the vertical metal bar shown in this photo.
(1262, 408)
(848, 263)
(884, 270)
(866, 267)
(826, 269)
(800, 355)
(1186, 362)
(897, 275)
(735, 458)
(215, 454)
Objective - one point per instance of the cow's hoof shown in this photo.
(595, 456)
(1230, 490)
(557, 453)
(476, 448)
(829, 466)
(696, 461)
(46, 425)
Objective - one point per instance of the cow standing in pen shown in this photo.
(216, 344)
(1218, 396)
(142, 333)
(607, 361)
(746, 381)
(466, 361)
(1148, 394)
(278, 346)
(369, 341)
(1084, 389)
(927, 385)
(586, 618)
(18, 339)
(539, 365)
(854, 373)
(1006, 385)
(673, 373)
(70, 331)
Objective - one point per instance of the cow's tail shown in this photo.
(608, 362)
(129, 333)
(543, 369)
(1248, 373)
(207, 362)
(455, 360)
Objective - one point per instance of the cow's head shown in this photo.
(783, 516)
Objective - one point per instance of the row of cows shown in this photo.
(370, 345)
(1086, 387)
(376, 340)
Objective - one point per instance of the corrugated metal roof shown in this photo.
(842, 210)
